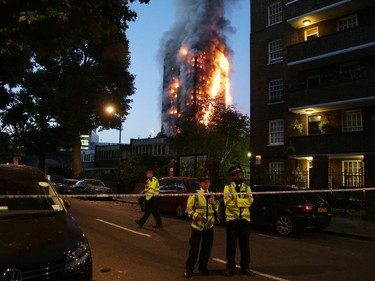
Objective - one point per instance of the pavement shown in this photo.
(348, 226)
(352, 227)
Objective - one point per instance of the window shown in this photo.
(313, 126)
(347, 22)
(275, 90)
(276, 167)
(276, 172)
(274, 13)
(275, 49)
(311, 33)
(276, 132)
(313, 79)
(352, 121)
(352, 173)
(350, 70)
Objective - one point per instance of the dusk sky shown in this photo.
(145, 36)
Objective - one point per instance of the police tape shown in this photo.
(176, 194)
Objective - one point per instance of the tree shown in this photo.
(30, 120)
(226, 140)
(83, 43)
(42, 28)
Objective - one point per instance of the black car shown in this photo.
(93, 187)
(40, 240)
(295, 209)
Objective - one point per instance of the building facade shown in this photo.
(313, 92)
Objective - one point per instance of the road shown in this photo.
(123, 251)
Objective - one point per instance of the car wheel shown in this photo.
(284, 225)
(142, 204)
(180, 211)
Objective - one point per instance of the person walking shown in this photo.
(152, 202)
(201, 208)
(237, 199)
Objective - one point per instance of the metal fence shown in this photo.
(346, 203)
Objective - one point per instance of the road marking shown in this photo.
(256, 272)
(124, 228)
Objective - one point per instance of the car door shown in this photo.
(264, 208)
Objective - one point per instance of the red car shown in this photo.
(176, 186)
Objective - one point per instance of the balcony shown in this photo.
(335, 143)
(340, 92)
(359, 40)
(317, 10)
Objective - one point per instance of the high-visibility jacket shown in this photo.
(236, 205)
(198, 205)
(151, 187)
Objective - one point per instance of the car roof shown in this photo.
(9, 171)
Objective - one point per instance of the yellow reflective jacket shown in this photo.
(236, 205)
(197, 205)
(151, 187)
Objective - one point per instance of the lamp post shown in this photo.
(249, 155)
(111, 110)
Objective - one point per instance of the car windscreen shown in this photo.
(27, 196)
(94, 183)
(194, 185)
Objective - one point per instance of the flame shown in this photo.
(197, 56)
(201, 79)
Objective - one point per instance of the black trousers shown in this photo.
(238, 231)
(152, 207)
(202, 240)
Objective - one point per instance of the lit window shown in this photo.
(275, 51)
(352, 173)
(352, 121)
(311, 33)
(276, 132)
(275, 90)
(313, 124)
(274, 13)
(347, 23)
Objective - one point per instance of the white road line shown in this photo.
(124, 228)
(256, 272)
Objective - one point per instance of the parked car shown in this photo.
(40, 240)
(66, 187)
(176, 186)
(92, 187)
(289, 212)
(56, 179)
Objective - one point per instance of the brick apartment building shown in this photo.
(313, 92)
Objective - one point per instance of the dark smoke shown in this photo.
(202, 27)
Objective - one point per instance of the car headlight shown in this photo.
(78, 257)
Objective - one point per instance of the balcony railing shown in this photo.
(333, 143)
(299, 8)
(351, 40)
(334, 88)
(323, 9)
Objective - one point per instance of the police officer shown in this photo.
(237, 200)
(201, 208)
(152, 202)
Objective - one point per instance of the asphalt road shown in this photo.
(123, 251)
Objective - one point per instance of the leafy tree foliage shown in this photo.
(80, 47)
(226, 141)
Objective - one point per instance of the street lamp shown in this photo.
(111, 110)
(249, 155)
